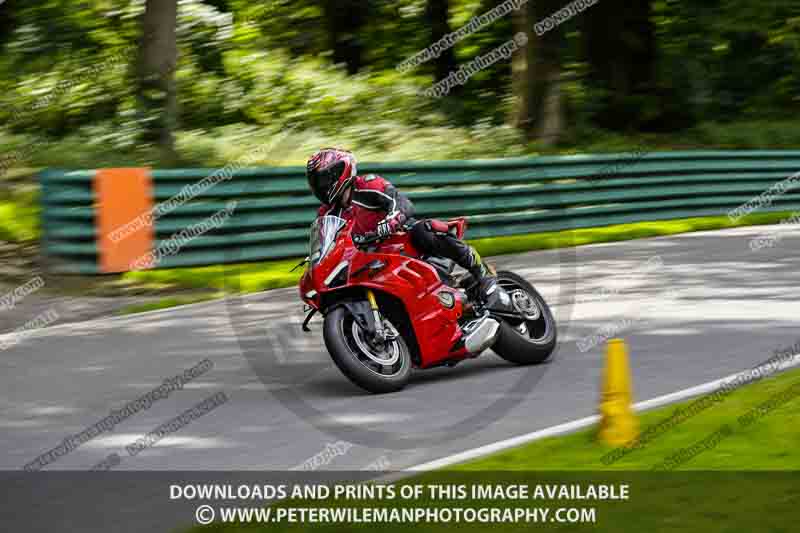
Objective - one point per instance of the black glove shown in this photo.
(387, 226)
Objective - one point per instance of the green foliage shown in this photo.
(310, 94)
(66, 65)
(254, 66)
(734, 58)
(19, 216)
(756, 134)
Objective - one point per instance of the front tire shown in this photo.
(531, 341)
(377, 371)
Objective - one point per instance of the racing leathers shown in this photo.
(378, 207)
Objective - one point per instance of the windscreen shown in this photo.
(323, 236)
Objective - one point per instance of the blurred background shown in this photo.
(88, 83)
(187, 83)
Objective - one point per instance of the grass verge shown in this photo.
(768, 443)
(621, 232)
(743, 483)
(166, 303)
(239, 278)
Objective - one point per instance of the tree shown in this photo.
(437, 13)
(158, 58)
(621, 49)
(519, 71)
(344, 20)
(219, 5)
(8, 11)
(537, 74)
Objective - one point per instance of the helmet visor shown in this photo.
(322, 181)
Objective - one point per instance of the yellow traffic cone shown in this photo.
(618, 424)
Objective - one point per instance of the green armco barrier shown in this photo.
(499, 197)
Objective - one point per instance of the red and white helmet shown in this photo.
(330, 172)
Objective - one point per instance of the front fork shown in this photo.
(368, 317)
(380, 333)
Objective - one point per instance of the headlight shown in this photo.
(338, 275)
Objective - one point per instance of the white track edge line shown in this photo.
(581, 423)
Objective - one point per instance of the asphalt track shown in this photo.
(707, 306)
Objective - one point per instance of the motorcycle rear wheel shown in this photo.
(529, 342)
(375, 370)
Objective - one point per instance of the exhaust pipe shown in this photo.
(480, 334)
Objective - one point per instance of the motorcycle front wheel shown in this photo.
(377, 369)
(531, 339)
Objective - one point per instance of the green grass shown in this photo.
(240, 278)
(742, 484)
(254, 277)
(166, 303)
(620, 232)
(771, 443)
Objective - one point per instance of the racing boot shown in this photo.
(484, 274)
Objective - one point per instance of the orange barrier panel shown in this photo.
(124, 201)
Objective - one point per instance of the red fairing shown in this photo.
(415, 282)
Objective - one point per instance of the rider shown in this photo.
(376, 206)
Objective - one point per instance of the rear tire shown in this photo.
(350, 353)
(529, 342)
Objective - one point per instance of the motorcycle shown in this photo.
(388, 308)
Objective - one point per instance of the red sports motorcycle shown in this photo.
(388, 308)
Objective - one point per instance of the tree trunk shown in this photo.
(7, 20)
(620, 45)
(520, 109)
(344, 20)
(551, 118)
(543, 118)
(158, 59)
(223, 6)
(437, 13)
